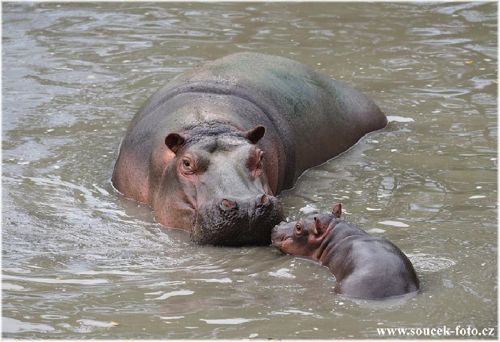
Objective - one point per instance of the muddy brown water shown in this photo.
(77, 256)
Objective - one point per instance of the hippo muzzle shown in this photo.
(280, 233)
(237, 222)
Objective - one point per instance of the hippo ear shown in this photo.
(254, 135)
(174, 141)
(337, 210)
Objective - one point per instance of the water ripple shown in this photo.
(78, 257)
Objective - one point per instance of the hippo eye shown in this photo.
(298, 229)
(261, 156)
(255, 163)
(187, 166)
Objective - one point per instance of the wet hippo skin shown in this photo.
(364, 266)
(211, 149)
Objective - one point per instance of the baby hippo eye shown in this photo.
(186, 163)
(298, 228)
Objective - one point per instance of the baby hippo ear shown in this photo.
(254, 135)
(337, 210)
(174, 142)
(317, 227)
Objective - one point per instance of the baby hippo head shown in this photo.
(304, 237)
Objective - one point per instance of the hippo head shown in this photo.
(304, 237)
(218, 175)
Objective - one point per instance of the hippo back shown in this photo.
(315, 117)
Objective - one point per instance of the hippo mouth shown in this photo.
(279, 240)
(226, 223)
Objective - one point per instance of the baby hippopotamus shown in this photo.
(364, 266)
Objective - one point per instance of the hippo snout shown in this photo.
(275, 235)
(236, 221)
(280, 233)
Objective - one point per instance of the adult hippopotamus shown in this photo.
(364, 266)
(211, 149)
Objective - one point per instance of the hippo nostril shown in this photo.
(227, 204)
(262, 201)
